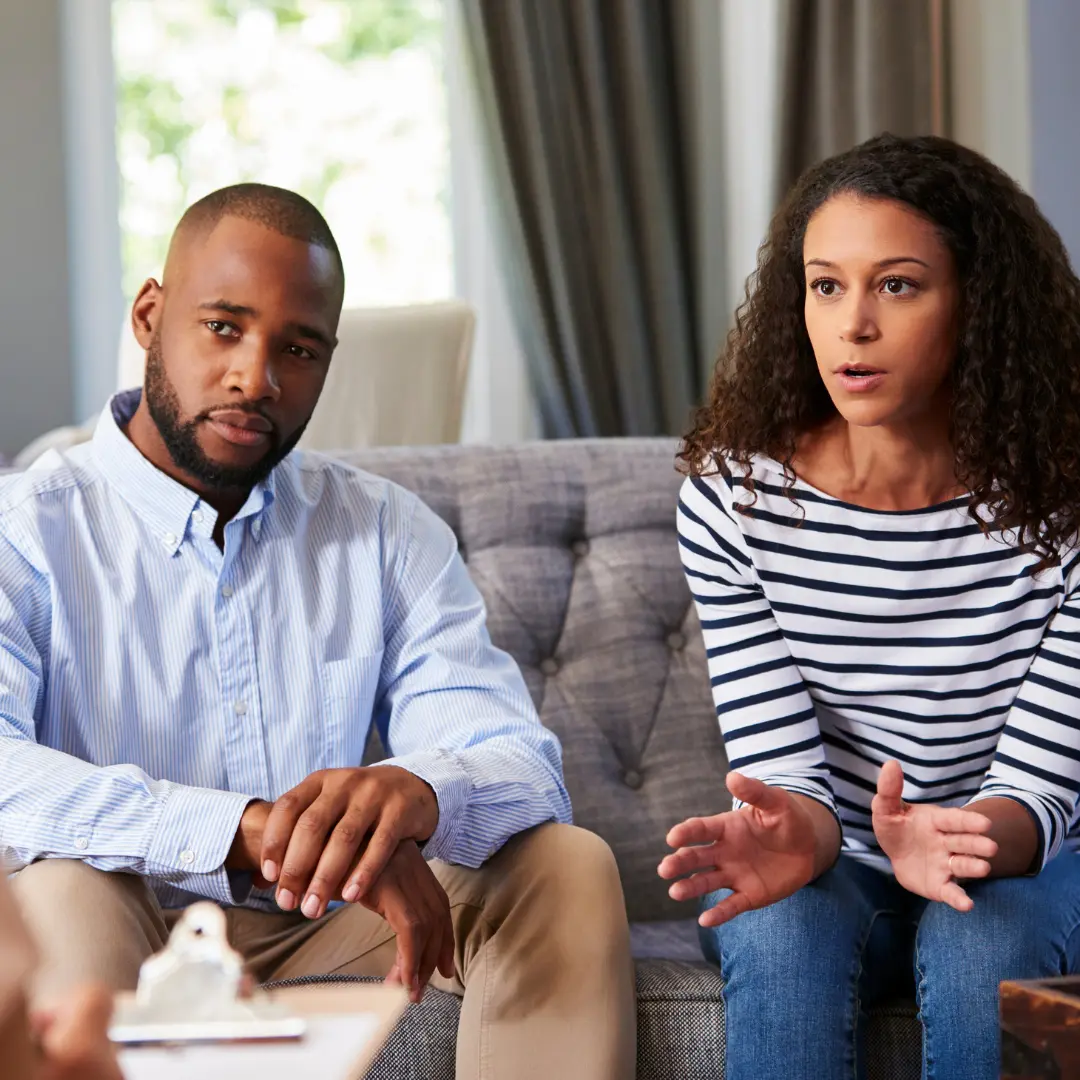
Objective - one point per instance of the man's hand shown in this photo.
(314, 832)
(763, 852)
(409, 897)
(246, 850)
(930, 847)
(73, 1038)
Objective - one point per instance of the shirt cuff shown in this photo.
(193, 837)
(442, 772)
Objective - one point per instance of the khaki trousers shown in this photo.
(542, 955)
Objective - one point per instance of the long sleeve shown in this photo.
(55, 806)
(768, 721)
(454, 710)
(1037, 761)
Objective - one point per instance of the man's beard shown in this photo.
(181, 436)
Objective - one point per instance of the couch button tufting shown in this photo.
(580, 548)
(676, 642)
(549, 666)
(632, 779)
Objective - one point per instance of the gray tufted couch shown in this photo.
(573, 546)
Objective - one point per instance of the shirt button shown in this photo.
(169, 540)
(196, 516)
(226, 591)
(187, 856)
(82, 843)
(240, 707)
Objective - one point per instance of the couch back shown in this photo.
(573, 546)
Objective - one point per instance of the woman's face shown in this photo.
(882, 303)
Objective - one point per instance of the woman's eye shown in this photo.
(824, 287)
(895, 286)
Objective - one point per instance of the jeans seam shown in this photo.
(920, 994)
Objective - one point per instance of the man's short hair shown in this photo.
(283, 211)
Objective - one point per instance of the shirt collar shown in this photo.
(163, 503)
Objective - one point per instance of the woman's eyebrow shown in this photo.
(895, 260)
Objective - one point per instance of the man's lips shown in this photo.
(241, 428)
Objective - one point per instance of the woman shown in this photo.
(879, 528)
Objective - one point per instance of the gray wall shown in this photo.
(1055, 115)
(35, 354)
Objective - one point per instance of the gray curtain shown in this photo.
(853, 69)
(589, 110)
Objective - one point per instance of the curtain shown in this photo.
(605, 201)
(852, 69)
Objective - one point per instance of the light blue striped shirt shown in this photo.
(151, 684)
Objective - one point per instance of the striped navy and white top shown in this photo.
(839, 637)
(151, 685)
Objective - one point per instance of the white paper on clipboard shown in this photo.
(331, 1048)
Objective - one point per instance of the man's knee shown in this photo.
(90, 926)
(567, 857)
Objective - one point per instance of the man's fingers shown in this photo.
(688, 859)
(699, 885)
(725, 911)
(337, 857)
(309, 838)
(378, 853)
(970, 844)
(956, 820)
(280, 823)
(955, 897)
(696, 830)
(968, 866)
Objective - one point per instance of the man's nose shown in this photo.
(253, 372)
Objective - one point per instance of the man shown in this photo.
(197, 628)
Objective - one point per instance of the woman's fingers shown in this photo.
(890, 789)
(970, 844)
(699, 884)
(765, 797)
(968, 866)
(688, 859)
(725, 911)
(696, 830)
(956, 820)
(955, 897)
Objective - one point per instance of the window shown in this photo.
(341, 100)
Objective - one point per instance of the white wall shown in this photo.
(35, 363)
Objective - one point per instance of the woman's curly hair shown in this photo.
(1015, 424)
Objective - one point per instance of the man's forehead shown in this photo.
(237, 252)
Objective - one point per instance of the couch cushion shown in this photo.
(573, 546)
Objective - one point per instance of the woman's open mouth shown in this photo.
(858, 379)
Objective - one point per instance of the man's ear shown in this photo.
(146, 311)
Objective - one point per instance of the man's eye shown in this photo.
(304, 354)
(222, 329)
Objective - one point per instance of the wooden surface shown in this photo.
(1040, 1029)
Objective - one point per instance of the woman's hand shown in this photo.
(930, 847)
(763, 852)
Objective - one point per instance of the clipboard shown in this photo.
(195, 1014)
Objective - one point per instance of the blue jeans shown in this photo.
(799, 975)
